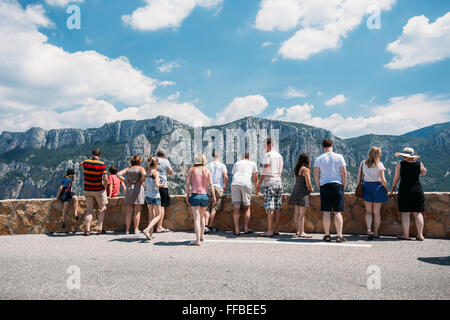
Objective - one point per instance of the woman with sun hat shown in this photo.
(410, 193)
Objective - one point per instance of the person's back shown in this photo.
(199, 180)
(330, 164)
(242, 173)
(409, 174)
(274, 172)
(163, 168)
(217, 170)
(151, 190)
(115, 183)
(93, 170)
(133, 175)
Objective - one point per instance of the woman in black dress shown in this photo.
(410, 192)
(300, 195)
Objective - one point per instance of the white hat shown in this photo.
(407, 153)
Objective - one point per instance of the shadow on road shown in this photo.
(442, 261)
(172, 243)
(129, 240)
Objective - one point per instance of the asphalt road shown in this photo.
(116, 266)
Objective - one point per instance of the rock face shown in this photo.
(33, 163)
(42, 216)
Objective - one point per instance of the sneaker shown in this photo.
(206, 230)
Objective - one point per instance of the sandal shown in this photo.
(163, 230)
(341, 239)
(402, 238)
(276, 233)
(249, 231)
(265, 235)
(306, 236)
(194, 243)
(87, 233)
(420, 239)
(147, 235)
(236, 234)
(327, 238)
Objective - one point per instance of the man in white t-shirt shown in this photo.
(241, 190)
(164, 169)
(330, 174)
(219, 176)
(273, 188)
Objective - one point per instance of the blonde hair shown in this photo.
(199, 159)
(152, 161)
(373, 158)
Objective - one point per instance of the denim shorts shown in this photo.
(199, 200)
(155, 201)
(374, 192)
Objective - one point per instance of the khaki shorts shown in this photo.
(93, 197)
(219, 203)
(241, 195)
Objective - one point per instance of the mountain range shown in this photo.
(33, 163)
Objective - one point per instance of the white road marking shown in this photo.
(293, 243)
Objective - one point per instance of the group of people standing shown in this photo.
(207, 183)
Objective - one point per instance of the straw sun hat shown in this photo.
(407, 153)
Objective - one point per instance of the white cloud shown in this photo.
(167, 66)
(292, 92)
(267, 44)
(400, 115)
(319, 93)
(242, 107)
(320, 24)
(160, 14)
(340, 98)
(207, 73)
(421, 42)
(62, 3)
(44, 85)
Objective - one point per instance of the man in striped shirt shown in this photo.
(95, 185)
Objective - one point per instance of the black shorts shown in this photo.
(165, 197)
(332, 197)
(66, 196)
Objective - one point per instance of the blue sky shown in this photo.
(223, 70)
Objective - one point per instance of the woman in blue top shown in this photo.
(66, 196)
(152, 196)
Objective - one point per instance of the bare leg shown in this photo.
(130, 209)
(160, 227)
(64, 211)
(369, 211)
(418, 217)
(270, 222)
(301, 221)
(326, 222)
(247, 218)
(156, 214)
(211, 218)
(377, 217)
(339, 223)
(101, 218)
(88, 216)
(202, 227)
(197, 224)
(137, 217)
(205, 218)
(296, 213)
(75, 206)
(276, 221)
(236, 215)
(405, 224)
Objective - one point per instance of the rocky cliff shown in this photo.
(32, 163)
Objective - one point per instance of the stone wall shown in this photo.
(42, 215)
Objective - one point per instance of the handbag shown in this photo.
(359, 189)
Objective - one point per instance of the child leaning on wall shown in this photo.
(67, 197)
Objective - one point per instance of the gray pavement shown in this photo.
(117, 266)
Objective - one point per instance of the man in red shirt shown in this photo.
(95, 185)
